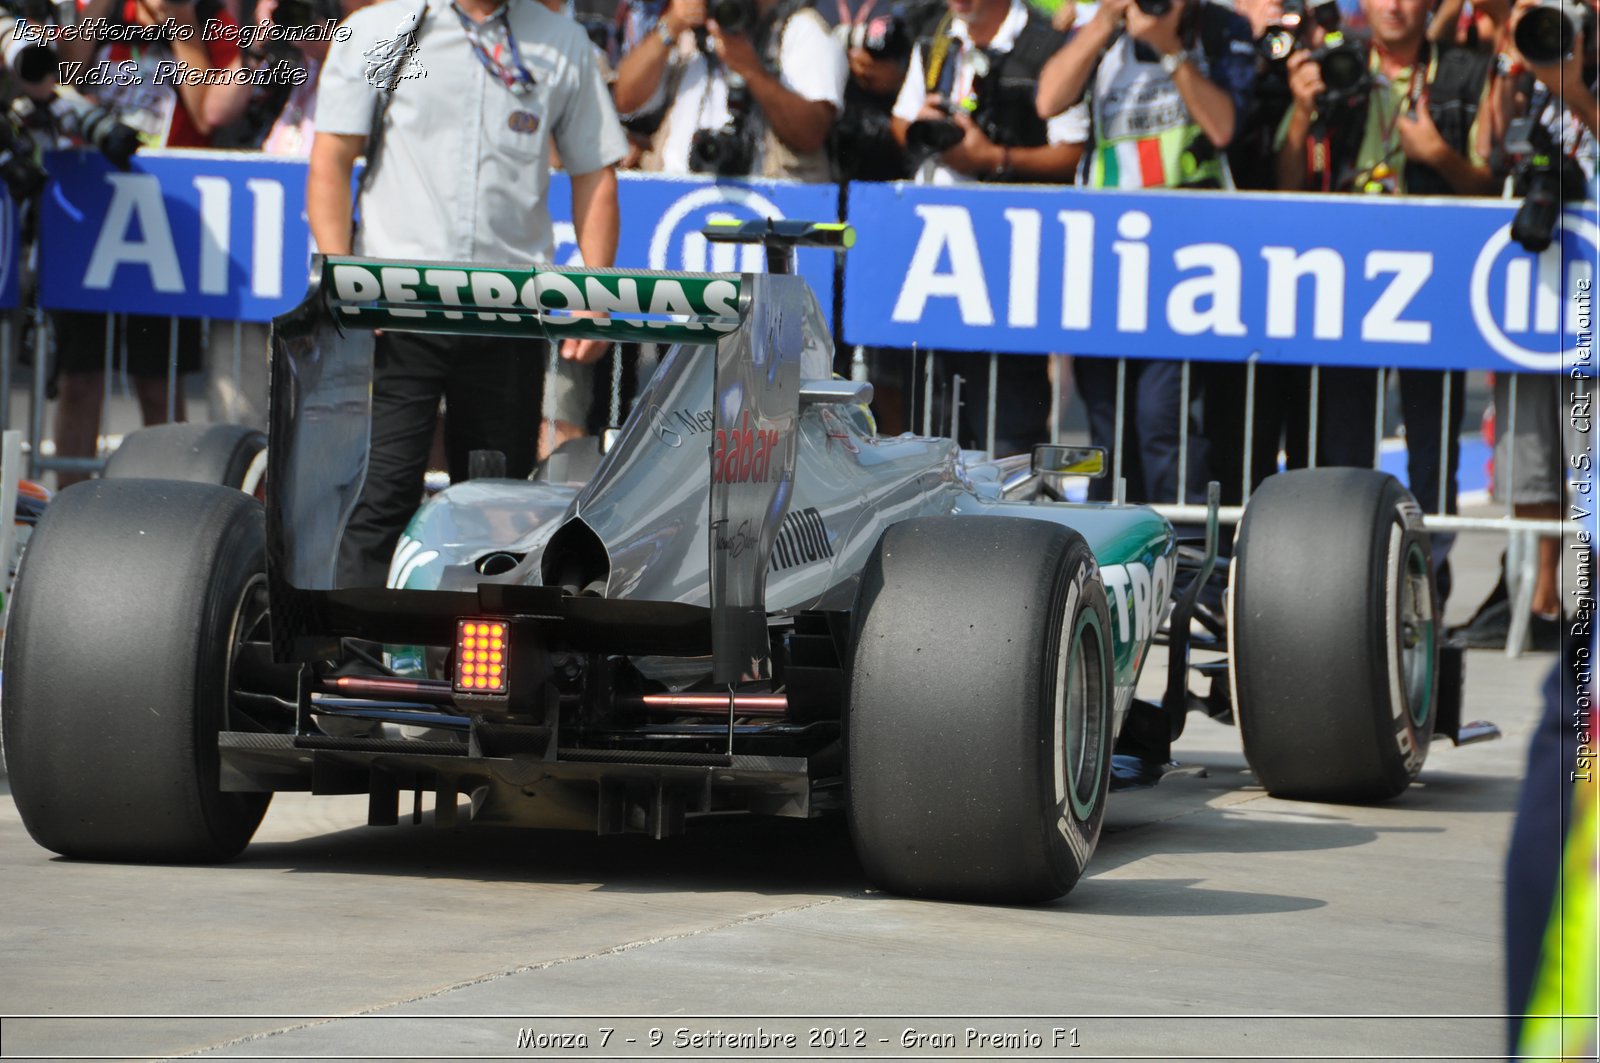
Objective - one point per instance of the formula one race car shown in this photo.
(752, 604)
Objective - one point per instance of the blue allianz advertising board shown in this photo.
(208, 234)
(10, 251)
(188, 234)
(1221, 276)
(662, 218)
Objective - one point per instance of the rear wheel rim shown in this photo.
(249, 645)
(1417, 631)
(1080, 694)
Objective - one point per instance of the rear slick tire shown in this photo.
(1333, 636)
(224, 454)
(131, 600)
(978, 732)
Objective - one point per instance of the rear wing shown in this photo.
(321, 412)
(538, 303)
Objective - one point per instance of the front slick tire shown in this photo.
(116, 677)
(978, 731)
(1331, 623)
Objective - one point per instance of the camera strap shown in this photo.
(380, 110)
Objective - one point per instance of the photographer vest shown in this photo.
(1006, 93)
(1454, 87)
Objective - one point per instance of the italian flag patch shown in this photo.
(1133, 164)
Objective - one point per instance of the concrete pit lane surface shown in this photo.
(1355, 931)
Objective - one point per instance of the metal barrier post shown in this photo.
(36, 409)
(1183, 431)
(1311, 416)
(1377, 423)
(1444, 444)
(1116, 431)
(5, 373)
(172, 369)
(1059, 365)
(994, 402)
(1249, 425)
(956, 380)
(927, 394)
(238, 370)
(107, 358)
(1521, 563)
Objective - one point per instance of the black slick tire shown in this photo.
(200, 453)
(978, 729)
(1333, 636)
(116, 671)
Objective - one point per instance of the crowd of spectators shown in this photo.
(1376, 97)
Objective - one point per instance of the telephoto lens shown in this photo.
(1547, 34)
(95, 125)
(733, 16)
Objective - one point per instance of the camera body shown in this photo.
(1545, 177)
(1002, 110)
(731, 150)
(733, 16)
(1344, 72)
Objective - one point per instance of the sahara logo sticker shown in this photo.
(1138, 596)
(743, 455)
(802, 539)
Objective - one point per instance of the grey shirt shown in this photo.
(465, 163)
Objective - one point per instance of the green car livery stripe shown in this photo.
(601, 304)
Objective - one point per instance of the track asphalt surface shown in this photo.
(1215, 923)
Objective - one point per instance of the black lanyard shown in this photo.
(514, 76)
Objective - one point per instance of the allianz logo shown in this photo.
(1374, 295)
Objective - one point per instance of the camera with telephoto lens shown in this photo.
(733, 16)
(1545, 177)
(1548, 33)
(95, 125)
(927, 137)
(731, 150)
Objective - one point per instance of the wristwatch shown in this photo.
(663, 31)
(1171, 63)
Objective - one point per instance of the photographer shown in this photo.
(167, 115)
(965, 110)
(1400, 118)
(752, 91)
(877, 36)
(1166, 82)
(965, 113)
(1546, 77)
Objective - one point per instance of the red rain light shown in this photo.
(480, 657)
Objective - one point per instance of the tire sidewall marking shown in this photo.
(1406, 740)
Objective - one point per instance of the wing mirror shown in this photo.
(1056, 460)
